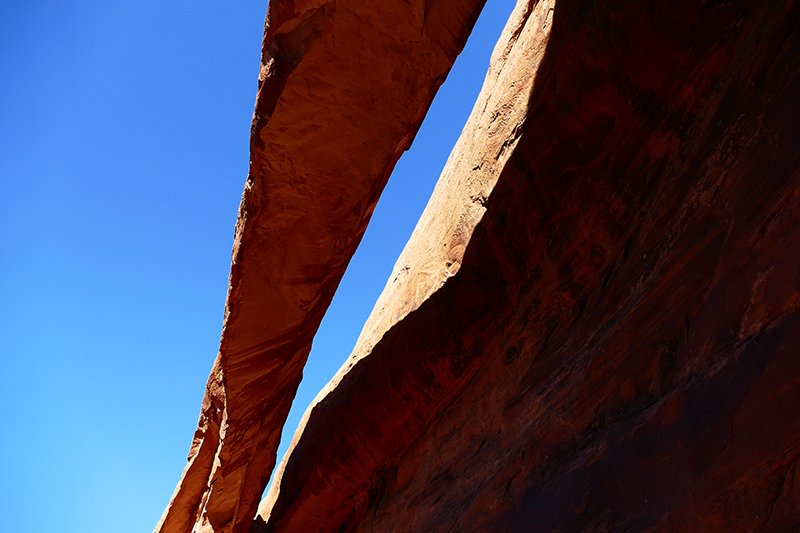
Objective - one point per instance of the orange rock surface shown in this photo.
(341, 95)
(595, 325)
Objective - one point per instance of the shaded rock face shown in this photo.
(341, 95)
(594, 326)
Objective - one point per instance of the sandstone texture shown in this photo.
(595, 324)
(343, 88)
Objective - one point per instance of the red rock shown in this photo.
(594, 326)
(341, 95)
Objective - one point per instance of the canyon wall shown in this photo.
(343, 88)
(594, 325)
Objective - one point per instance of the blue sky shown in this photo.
(123, 154)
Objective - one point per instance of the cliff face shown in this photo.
(594, 326)
(341, 95)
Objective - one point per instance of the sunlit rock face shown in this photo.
(343, 88)
(595, 325)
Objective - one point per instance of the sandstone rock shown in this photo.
(594, 326)
(341, 95)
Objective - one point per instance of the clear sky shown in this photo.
(123, 153)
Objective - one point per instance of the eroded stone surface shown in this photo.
(607, 338)
(341, 94)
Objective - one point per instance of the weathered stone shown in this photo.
(594, 326)
(342, 91)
